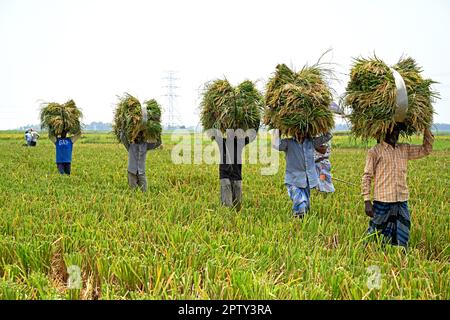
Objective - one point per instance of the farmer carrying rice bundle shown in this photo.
(139, 130)
(386, 103)
(61, 120)
(232, 116)
(298, 107)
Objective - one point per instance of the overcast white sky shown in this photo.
(93, 50)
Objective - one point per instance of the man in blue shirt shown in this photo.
(301, 174)
(64, 147)
(137, 154)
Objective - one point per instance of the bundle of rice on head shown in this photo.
(224, 107)
(138, 123)
(379, 97)
(298, 103)
(61, 118)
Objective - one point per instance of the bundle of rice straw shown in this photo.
(58, 118)
(129, 117)
(298, 103)
(371, 97)
(224, 107)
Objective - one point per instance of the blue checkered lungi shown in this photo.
(300, 198)
(392, 221)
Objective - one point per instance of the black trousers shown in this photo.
(64, 168)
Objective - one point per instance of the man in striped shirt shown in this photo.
(386, 165)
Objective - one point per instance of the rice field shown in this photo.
(88, 236)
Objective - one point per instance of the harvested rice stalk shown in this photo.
(298, 104)
(129, 119)
(58, 118)
(153, 125)
(371, 98)
(224, 107)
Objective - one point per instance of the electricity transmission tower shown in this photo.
(172, 116)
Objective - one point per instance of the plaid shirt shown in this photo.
(387, 167)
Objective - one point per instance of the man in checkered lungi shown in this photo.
(386, 165)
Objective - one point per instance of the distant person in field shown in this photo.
(28, 137)
(301, 175)
(34, 137)
(230, 166)
(323, 167)
(64, 147)
(137, 154)
(386, 166)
